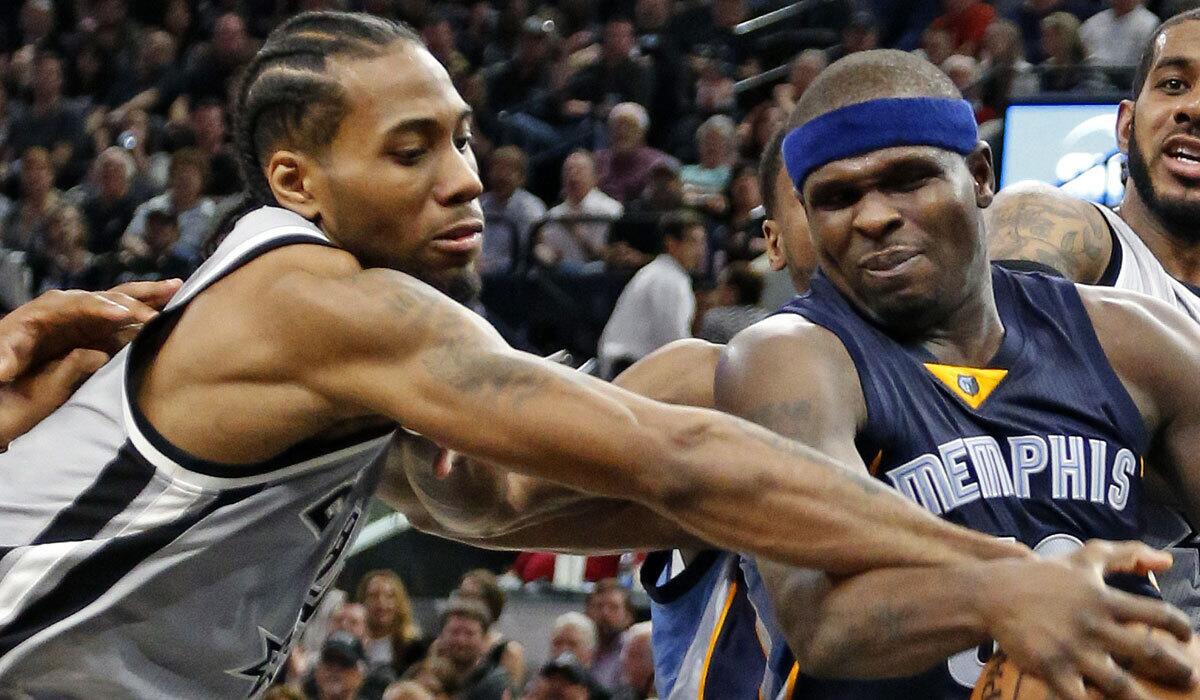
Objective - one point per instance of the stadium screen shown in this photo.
(1072, 146)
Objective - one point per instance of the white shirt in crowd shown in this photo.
(522, 210)
(1117, 41)
(556, 236)
(195, 224)
(656, 308)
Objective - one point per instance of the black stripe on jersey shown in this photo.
(91, 578)
(119, 483)
(657, 563)
(1112, 270)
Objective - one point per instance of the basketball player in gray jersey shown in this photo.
(165, 532)
(1150, 244)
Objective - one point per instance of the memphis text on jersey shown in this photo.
(964, 470)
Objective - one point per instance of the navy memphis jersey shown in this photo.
(1043, 445)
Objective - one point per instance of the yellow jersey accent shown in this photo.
(971, 384)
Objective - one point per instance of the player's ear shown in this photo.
(979, 162)
(292, 177)
(772, 235)
(1124, 125)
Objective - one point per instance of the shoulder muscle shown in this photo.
(1043, 224)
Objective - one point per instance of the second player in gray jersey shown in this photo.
(1150, 244)
(168, 528)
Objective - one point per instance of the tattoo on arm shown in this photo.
(1051, 232)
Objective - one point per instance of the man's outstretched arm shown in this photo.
(409, 353)
(797, 379)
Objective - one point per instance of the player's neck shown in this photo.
(1179, 255)
(971, 334)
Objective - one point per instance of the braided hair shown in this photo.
(287, 95)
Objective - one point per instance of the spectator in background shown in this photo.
(564, 678)
(739, 235)
(580, 243)
(609, 606)
(738, 304)
(755, 130)
(160, 257)
(623, 168)
(63, 260)
(207, 122)
(509, 211)
(663, 193)
(407, 690)
(210, 70)
(656, 307)
(185, 200)
(803, 69)
(27, 222)
(574, 633)
(439, 38)
(861, 33)
(1004, 72)
(637, 664)
(704, 182)
(350, 618)
(340, 669)
(393, 639)
(1116, 36)
(619, 75)
(481, 585)
(966, 20)
(48, 121)
(964, 73)
(435, 674)
(1029, 15)
(6, 120)
(108, 202)
(937, 45)
(522, 81)
(1065, 68)
(463, 642)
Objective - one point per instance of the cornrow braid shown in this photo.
(287, 95)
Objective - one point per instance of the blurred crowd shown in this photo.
(593, 121)
(368, 646)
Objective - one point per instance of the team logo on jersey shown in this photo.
(969, 384)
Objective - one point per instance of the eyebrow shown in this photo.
(1173, 62)
(889, 171)
(427, 125)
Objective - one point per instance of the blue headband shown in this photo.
(876, 124)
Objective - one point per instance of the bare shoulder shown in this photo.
(791, 375)
(1042, 224)
(679, 373)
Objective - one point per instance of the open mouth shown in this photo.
(461, 239)
(1182, 156)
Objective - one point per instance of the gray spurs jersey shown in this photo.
(1133, 266)
(129, 569)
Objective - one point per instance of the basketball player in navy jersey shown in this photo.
(1150, 243)
(184, 513)
(713, 603)
(1016, 404)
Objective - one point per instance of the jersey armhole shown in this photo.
(1112, 270)
(658, 565)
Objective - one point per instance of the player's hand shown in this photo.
(1056, 618)
(49, 346)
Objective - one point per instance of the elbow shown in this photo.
(826, 652)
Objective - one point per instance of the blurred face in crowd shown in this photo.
(618, 39)
(728, 13)
(229, 37)
(159, 50)
(652, 14)
(37, 19)
(65, 233)
(186, 182)
(461, 641)
(1121, 7)
(744, 191)
(569, 638)
(690, 253)
(937, 44)
(786, 232)
(579, 176)
(37, 173)
(637, 662)
(1160, 132)
(506, 176)
(177, 18)
(610, 609)
(47, 79)
(714, 147)
(112, 177)
(161, 234)
(381, 605)
(350, 617)
(338, 680)
(555, 687)
(439, 37)
(805, 69)
(208, 123)
(625, 132)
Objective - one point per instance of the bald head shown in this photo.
(871, 75)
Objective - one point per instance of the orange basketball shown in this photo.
(1002, 680)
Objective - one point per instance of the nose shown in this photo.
(459, 182)
(1188, 109)
(875, 217)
